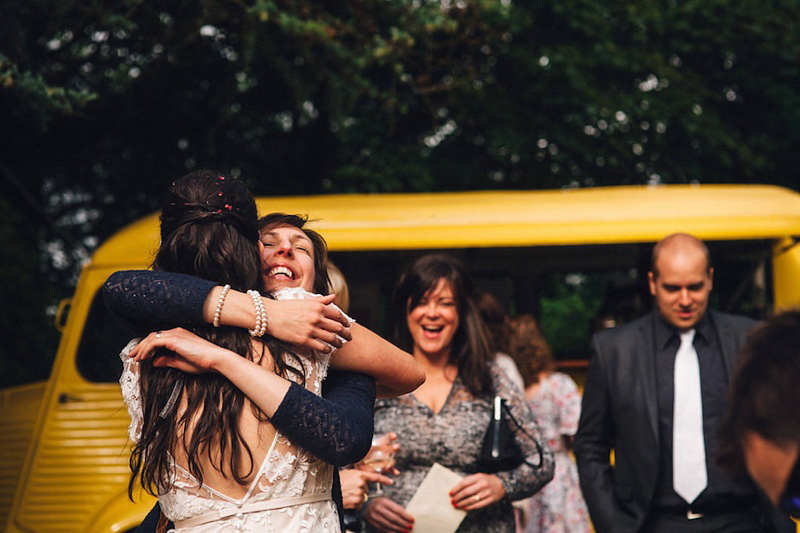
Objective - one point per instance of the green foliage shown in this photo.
(569, 312)
(105, 103)
(29, 340)
(45, 100)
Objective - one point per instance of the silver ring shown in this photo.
(477, 498)
(158, 334)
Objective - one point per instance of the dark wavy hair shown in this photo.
(496, 320)
(763, 394)
(322, 282)
(471, 350)
(209, 229)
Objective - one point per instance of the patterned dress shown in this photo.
(453, 438)
(559, 507)
(290, 492)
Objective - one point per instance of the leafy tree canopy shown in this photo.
(104, 103)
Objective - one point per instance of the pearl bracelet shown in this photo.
(261, 314)
(221, 301)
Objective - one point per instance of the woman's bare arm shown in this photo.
(395, 371)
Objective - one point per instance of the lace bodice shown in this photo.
(286, 474)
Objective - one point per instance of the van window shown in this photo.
(101, 341)
(572, 290)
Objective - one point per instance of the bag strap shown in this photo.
(539, 452)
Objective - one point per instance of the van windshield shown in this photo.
(102, 339)
(572, 290)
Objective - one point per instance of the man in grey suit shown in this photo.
(676, 359)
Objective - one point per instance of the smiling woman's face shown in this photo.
(287, 258)
(434, 321)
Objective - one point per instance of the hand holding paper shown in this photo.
(431, 504)
(477, 491)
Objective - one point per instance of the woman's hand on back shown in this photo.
(189, 353)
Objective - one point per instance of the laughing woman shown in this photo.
(444, 420)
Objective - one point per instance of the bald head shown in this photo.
(678, 243)
(681, 279)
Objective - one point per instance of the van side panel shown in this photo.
(80, 459)
(19, 407)
(786, 274)
(81, 462)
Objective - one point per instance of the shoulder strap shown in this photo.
(538, 446)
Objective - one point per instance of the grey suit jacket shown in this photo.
(620, 412)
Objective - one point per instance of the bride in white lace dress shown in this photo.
(290, 491)
(200, 410)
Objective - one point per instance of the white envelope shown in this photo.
(432, 506)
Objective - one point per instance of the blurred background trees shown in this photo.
(102, 104)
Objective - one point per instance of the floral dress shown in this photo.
(453, 438)
(559, 507)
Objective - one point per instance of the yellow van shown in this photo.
(575, 258)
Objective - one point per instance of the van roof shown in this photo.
(513, 218)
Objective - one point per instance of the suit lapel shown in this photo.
(647, 367)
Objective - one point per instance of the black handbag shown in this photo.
(500, 450)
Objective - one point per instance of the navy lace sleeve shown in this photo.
(143, 300)
(337, 429)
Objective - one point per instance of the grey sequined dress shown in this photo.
(453, 438)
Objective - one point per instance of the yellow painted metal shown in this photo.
(786, 273)
(516, 218)
(78, 462)
(75, 473)
(18, 409)
(63, 307)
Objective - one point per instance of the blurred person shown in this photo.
(654, 394)
(444, 421)
(339, 287)
(496, 320)
(760, 431)
(556, 402)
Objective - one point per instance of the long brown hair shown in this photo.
(471, 350)
(530, 349)
(209, 229)
(496, 320)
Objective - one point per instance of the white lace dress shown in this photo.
(291, 492)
